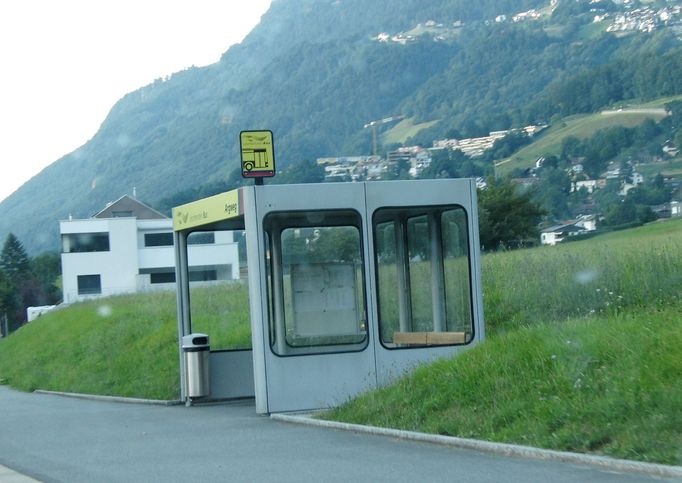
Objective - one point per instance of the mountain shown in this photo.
(316, 71)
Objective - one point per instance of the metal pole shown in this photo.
(437, 276)
(403, 272)
(182, 294)
(278, 289)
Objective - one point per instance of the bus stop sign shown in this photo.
(258, 154)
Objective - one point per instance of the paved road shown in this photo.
(54, 438)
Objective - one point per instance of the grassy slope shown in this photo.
(404, 130)
(610, 385)
(583, 355)
(123, 346)
(672, 168)
(549, 142)
(126, 345)
(615, 271)
(581, 126)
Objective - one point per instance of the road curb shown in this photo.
(504, 449)
(118, 399)
(8, 475)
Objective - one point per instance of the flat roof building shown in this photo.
(128, 247)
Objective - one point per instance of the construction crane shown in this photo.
(375, 124)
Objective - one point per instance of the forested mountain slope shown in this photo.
(314, 72)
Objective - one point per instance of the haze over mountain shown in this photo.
(316, 71)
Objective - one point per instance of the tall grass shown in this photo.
(608, 385)
(641, 267)
(124, 346)
(583, 354)
(222, 312)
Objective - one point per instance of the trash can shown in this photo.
(196, 351)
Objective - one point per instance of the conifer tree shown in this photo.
(16, 267)
(13, 259)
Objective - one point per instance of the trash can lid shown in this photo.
(195, 340)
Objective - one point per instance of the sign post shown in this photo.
(258, 155)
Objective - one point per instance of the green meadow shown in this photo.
(582, 351)
(582, 354)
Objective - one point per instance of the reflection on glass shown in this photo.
(423, 276)
(219, 302)
(315, 283)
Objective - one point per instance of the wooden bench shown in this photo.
(429, 338)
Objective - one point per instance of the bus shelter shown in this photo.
(350, 285)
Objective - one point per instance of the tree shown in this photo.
(13, 259)
(399, 170)
(6, 294)
(628, 212)
(508, 217)
(554, 190)
(571, 147)
(674, 109)
(47, 270)
(444, 164)
(24, 287)
(302, 172)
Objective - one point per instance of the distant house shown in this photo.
(670, 149)
(588, 222)
(675, 208)
(128, 247)
(558, 233)
(589, 184)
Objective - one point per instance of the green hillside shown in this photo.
(315, 72)
(582, 354)
(604, 385)
(404, 130)
(580, 126)
(582, 350)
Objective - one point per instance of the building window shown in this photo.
(89, 284)
(85, 242)
(122, 214)
(164, 277)
(316, 285)
(158, 239)
(203, 275)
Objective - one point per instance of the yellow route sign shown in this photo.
(258, 154)
(223, 206)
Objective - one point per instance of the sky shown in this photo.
(66, 63)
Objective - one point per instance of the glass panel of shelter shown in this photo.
(315, 282)
(218, 298)
(423, 276)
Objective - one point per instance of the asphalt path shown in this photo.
(54, 438)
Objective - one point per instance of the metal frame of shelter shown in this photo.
(350, 285)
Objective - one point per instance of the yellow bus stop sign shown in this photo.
(258, 154)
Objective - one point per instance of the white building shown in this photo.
(589, 222)
(589, 184)
(128, 247)
(675, 208)
(557, 234)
